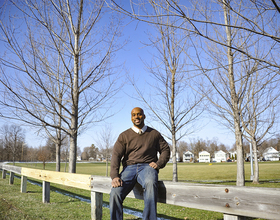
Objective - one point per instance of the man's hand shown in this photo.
(153, 165)
(116, 182)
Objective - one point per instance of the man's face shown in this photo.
(137, 117)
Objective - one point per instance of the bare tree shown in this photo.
(43, 154)
(261, 110)
(182, 147)
(62, 75)
(212, 146)
(197, 146)
(233, 83)
(31, 154)
(235, 101)
(173, 103)
(227, 82)
(2, 152)
(13, 137)
(105, 141)
(91, 151)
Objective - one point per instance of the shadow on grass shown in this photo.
(34, 192)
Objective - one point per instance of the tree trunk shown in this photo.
(256, 163)
(173, 128)
(73, 153)
(75, 97)
(107, 166)
(240, 177)
(174, 160)
(57, 157)
(240, 181)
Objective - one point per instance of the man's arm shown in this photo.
(164, 151)
(117, 154)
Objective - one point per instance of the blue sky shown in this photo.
(126, 100)
(131, 55)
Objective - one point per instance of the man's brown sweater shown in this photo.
(133, 148)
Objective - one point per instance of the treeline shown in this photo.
(13, 147)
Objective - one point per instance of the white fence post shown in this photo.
(23, 184)
(96, 205)
(46, 192)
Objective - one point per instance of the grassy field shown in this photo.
(197, 172)
(15, 205)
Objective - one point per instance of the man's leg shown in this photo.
(148, 179)
(117, 195)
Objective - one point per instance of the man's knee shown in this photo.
(117, 194)
(151, 182)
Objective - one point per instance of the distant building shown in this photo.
(79, 158)
(188, 156)
(271, 154)
(248, 156)
(232, 155)
(204, 157)
(220, 156)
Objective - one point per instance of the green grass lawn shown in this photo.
(193, 172)
(16, 205)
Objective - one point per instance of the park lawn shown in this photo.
(190, 172)
(17, 204)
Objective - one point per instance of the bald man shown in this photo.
(137, 148)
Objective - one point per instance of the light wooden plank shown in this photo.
(68, 179)
(103, 184)
(240, 201)
(256, 202)
(12, 168)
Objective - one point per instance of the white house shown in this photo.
(188, 156)
(232, 155)
(271, 154)
(220, 156)
(204, 157)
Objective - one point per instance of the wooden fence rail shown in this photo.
(234, 202)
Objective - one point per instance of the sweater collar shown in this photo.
(135, 129)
